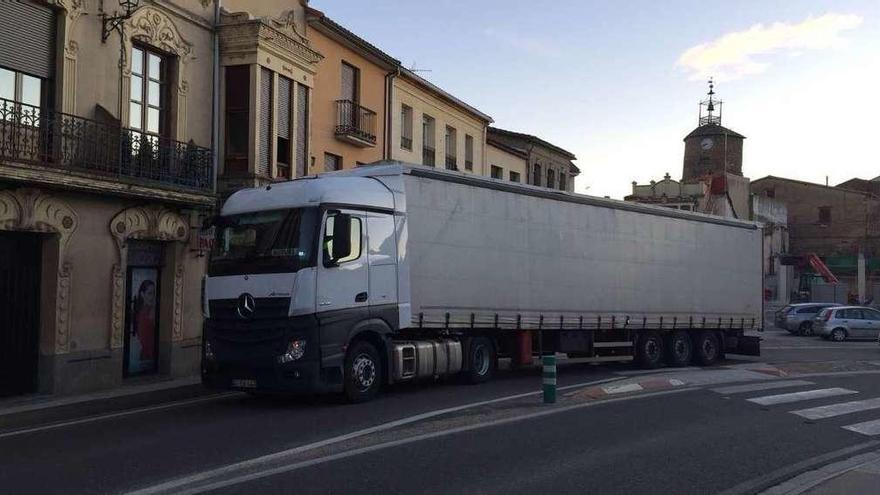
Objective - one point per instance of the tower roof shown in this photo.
(713, 130)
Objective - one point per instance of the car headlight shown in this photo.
(295, 350)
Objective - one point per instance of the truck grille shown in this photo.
(264, 307)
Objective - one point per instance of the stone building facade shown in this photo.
(105, 175)
(548, 165)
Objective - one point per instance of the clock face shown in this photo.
(707, 143)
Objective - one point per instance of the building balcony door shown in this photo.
(141, 344)
(20, 267)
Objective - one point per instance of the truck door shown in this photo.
(343, 274)
(383, 262)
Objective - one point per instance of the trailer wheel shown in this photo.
(649, 350)
(707, 349)
(480, 360)
(363, 372)
(679, 349)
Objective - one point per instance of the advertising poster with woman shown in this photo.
(142, 333)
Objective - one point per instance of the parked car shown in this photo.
(798, 318)
(848, 322)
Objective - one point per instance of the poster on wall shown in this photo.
(142, 333)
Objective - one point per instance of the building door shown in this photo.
(142, 308)
(20, 257)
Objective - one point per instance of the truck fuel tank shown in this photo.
(426, 359)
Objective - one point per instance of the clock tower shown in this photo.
(711, 149)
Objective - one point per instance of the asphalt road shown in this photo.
(688, 440)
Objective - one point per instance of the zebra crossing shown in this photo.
(778, 396)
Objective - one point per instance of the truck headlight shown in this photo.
(295, 350)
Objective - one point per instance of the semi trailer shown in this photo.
(350, 280)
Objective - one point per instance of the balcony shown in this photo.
(451, 163)
(70, 144)
(428, 156)
(355, 124)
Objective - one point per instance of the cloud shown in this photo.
(743, 53)
(531, 45)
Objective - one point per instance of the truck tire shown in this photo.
(679, 348)
(707, 348)
(363, 372)
(480, 360)
(649, 350)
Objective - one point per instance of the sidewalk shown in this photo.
(32, 410)
(859, 474)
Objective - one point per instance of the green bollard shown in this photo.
(549, 379)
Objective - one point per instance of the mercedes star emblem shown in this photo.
(246, 306)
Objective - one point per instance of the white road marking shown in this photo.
(842, 408)
(622, 389)
(821, 393)
(754, 387)
(180, 487)
(869, 428)
(121, 414)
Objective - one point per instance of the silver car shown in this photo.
(798, 318)
(848, 322)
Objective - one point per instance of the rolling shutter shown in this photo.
(302, 129)
(27, 34)
(265, 122)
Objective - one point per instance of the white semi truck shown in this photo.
(346, 281)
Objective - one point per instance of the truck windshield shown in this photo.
(273, 241)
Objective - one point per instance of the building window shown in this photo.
(302, 129)
(406, 127)
(19, 89)
(551, 178)
(148, 91)
(283, 127)
(332, 162)
(825, 215)
(351, 80)
(468, 152)
(496, 172)
(536, 175)
(562, 179)
(451, 148)
(770, 193)
(428, 132)
(264, 148)
(238, 82)
(514, 176)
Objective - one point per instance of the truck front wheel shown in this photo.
(649, 350)
(363, 372)
(679, 349)
(707, 349)
(480, 360)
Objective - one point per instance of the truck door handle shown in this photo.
(360, 297)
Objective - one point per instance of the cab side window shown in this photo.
(343, 234)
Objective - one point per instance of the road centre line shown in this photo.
(178, 486)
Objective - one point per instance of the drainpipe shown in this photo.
(215, 103)
(387, 120)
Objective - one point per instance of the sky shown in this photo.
(618, 82)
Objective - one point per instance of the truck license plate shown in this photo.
(244, 383)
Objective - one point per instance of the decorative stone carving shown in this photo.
(146, 223)
(34, 211)
(73, 10)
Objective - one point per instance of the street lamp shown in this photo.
(110, 24)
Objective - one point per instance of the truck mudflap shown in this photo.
(748, 346)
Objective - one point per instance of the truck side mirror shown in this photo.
(337, 238)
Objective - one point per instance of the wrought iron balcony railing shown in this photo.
(451, 163)
(66, 142)
(428, 155)
(355, 123)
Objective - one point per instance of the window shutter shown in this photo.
(265, 121)
(349, 82)
(302, 130)
(284, 88)
(27, 34)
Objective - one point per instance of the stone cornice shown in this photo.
(249, 35)
(97, 184)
